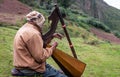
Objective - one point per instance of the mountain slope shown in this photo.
(12, 16)
(101, 10)
(105, 36)
(13, 7)
(12, 11)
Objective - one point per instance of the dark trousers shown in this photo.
(50, 72)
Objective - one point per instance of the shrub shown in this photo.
(99, 24)
(117, 33)
(30, 3)
(93, 42)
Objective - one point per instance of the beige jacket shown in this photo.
(28, 49)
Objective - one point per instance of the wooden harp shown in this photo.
(71, 66)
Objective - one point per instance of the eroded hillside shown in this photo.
(12, 11)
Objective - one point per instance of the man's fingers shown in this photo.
(54, 45)
(58, 35)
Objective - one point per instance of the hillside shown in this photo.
(101, 56)
(102, 59)
(101, 10)
(15, 11)
(12, 11)
(105, 36)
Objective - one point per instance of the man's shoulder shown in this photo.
(29, 29)
(27, 32)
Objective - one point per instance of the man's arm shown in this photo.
(35, 46)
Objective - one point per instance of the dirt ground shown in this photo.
(12, 11)
(105, 36)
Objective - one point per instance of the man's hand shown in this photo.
(58, 35)
(54, 45)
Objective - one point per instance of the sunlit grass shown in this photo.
(6, 40)
(102, 59)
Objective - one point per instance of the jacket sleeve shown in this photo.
(35, 46)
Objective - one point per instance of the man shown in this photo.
(29, 54)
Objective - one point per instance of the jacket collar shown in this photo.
(34, 26)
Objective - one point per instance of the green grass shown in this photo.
(6, 40)
(102, 59)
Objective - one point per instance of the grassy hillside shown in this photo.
(6, 40)
(102, 58)
(84, 13)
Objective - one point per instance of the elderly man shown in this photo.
(29, 54)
